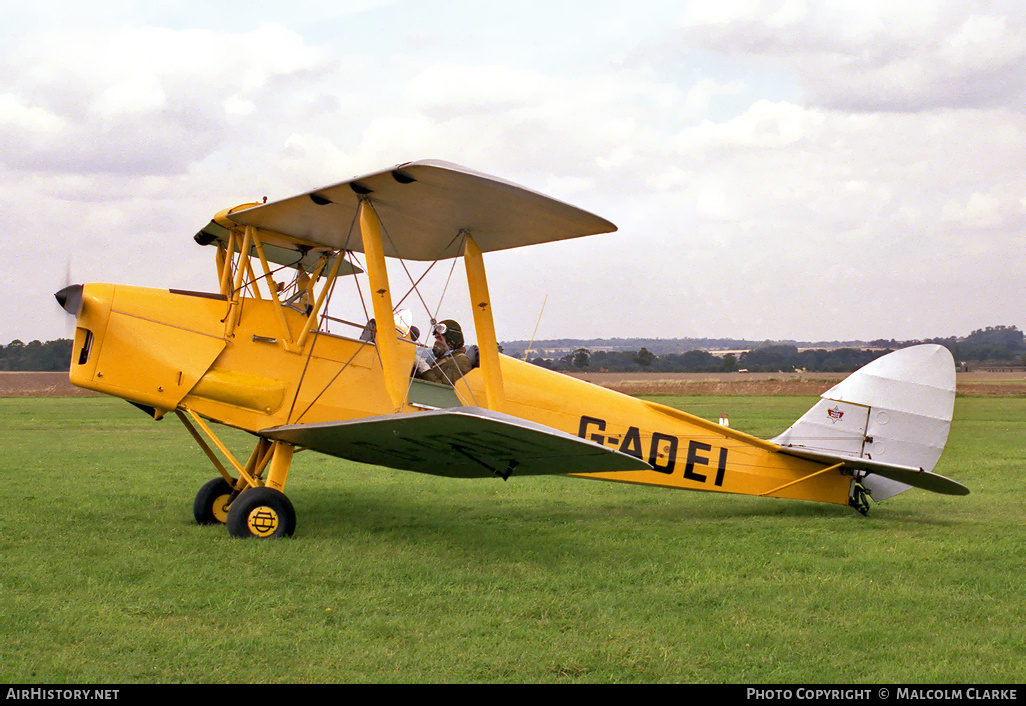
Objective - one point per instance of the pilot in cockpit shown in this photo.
(450, 361)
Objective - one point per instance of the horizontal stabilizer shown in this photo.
(464, 442)
(907, 475)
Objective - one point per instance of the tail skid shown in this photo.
(888, 421)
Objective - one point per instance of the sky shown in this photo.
(777, 169)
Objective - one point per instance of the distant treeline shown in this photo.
(772, 358)
(49, 356)
(994, 345)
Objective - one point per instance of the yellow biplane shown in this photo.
(262, 355)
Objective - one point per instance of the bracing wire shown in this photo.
(309, 354)
(415, 283)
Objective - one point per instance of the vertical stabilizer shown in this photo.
(896, 410)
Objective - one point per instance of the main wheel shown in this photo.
(264, 513)
(211, 504)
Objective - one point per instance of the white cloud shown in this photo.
(237, 106)
(875, 55)
(143, 100)
(702, 92)
(983, 211)
(982, 41)
(16, 115)
(764, 125)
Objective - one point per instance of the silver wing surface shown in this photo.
(464, 442)
(423, 207)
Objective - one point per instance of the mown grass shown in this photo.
(398, 577)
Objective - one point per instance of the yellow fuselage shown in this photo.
(170, 350)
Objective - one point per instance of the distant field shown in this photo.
(39, 385)
(401, 577)
(970, 384)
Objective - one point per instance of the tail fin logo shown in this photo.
(835, 414)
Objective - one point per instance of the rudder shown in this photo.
(895, 410)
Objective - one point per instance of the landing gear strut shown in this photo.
(252, 506)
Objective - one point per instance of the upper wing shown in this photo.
(464, 442)
(423, 206)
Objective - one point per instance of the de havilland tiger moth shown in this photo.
(258, 355)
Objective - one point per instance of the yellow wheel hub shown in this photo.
(262, 521)
(220, 508)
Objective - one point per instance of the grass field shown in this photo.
(398, 577)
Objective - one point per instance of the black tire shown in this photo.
(211, 504)
(261, 513)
